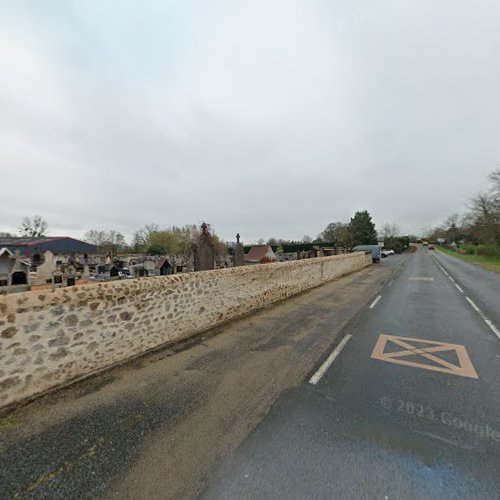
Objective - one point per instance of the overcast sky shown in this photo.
(268, 118)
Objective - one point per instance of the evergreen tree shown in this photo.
(363, 229)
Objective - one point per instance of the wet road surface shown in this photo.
(158, 426)
(409, 408)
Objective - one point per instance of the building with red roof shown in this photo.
(260, 254)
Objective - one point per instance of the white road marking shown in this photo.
(471, 302)
(493, 327)
(441, 267)
(390, 283)
(484, 318)
(317, 376)
(374, 303)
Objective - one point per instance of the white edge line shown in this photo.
(441, 267)
(493, 327)
(322, 369)
(474, 305)
(374, 303)
(484, 318)
(471, 302)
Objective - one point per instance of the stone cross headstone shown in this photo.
(204, 255)
(239, 253)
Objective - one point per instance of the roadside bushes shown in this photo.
(468, 250)
(304, 247)
(489, 250)
(398, 243)
(482, 250)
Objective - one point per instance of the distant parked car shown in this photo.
(431, 247)
(387, 252)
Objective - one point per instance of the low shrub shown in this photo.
(468, 250)
(488, 251)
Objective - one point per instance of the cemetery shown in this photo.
(50, 263)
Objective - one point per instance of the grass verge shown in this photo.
(489, 263)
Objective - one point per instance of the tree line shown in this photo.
(153, 240)
(178, 240)
(360, 230)
(479, 225)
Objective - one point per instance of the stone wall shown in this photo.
(48, 338)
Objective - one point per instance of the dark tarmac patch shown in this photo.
(92, 385)
(85, 454)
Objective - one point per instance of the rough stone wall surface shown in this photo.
(48, 338)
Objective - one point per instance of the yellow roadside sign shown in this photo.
(425, 354)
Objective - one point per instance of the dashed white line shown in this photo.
(317, 376)
(458, 288)
(374, 303)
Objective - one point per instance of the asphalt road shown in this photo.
(391, 418)
(483, 285)
(157, 427)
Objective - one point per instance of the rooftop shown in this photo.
(27, 241)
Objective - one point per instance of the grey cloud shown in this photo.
(267, 118)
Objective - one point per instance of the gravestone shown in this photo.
(101, 269)
(204, 255)
(20, 271)
(46, 270)
(70, 275)
(239, 253)
(86, 271)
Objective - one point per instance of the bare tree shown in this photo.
(391, 231)
(345, 237)
(142, 236)
(34, 227)
(486, 218)
(107, 242)
(495, 189)
(332, 232)
(95, 236)
(495, 180)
